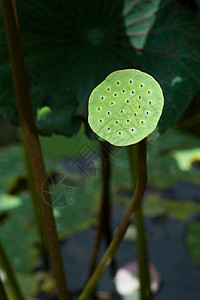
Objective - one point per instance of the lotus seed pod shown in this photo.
(126, 107)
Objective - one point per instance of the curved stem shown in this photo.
(142, 252)
(32, 142)
(5, 265)
(135, 202)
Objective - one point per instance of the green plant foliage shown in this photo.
(21, 252)
(71, 46)
(163, 169)
(20, 223)
(11, 161)
(171, 54)
(185, 158)
(125, 107)
(193, 241)
(8, 202)
(58, 146)
(173, 208)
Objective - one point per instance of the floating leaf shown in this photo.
(185, 158)
(8, 202)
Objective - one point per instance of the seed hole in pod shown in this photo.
(132, 129)
(127, 101)
(101, 120)
(118, 82)
(147, 112)
(141, 85)
(150, 102)
(132, 92)
(109, 128)
(140, 97)
(99, 108)
(139, 106)
(135, 114)
(117, 122)
(119, 132)
(130, 81)
(108, 89)
(149, 92)
(123, 91)
(121, 110)
(112, 102)
(142, 122)
(115, 94)
(109, 113)
(128, 120)
(102, 97)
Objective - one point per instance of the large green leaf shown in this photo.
(71, 46)
(172, 54)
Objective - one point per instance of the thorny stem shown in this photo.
(103, 226)
(135, 202)
(4, 263)
(32, 142)
(145, 291)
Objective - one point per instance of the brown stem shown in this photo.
(32, 142)
(103, 227)
(135, 202)
(142, 252)
(106, 199)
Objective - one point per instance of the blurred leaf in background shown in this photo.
(70, 46)
(18, 227)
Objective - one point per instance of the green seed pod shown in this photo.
(125, 107)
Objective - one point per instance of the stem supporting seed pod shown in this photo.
(132, 116)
